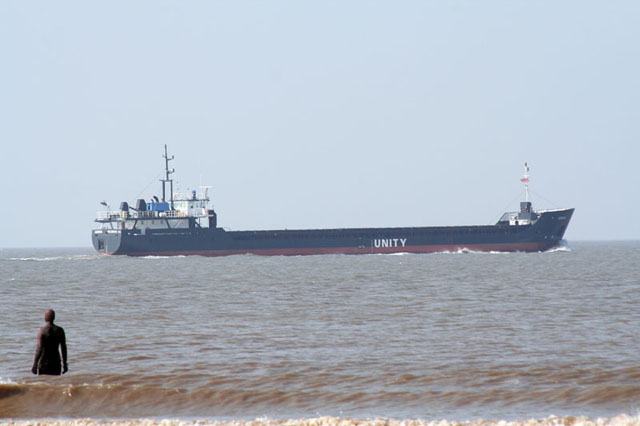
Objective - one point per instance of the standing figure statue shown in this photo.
(47, 359)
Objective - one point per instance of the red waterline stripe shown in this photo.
(510, 247)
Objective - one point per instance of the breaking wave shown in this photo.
(469, 251)
(162, 257)
(563, 247)
(136, 396)
(56, 258)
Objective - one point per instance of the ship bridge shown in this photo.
(180, 211)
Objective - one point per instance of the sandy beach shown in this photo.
(620, 420)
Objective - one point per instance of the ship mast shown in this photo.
(525, 180)
(167, 173)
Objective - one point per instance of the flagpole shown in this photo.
(525, 179)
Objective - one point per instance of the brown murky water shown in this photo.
(455, 336)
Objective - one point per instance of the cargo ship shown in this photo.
(180, 224)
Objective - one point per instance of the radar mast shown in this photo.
(166, 179)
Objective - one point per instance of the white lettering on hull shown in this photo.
(389, 242)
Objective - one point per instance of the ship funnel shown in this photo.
(141, 205)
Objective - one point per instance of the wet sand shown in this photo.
(620, 420)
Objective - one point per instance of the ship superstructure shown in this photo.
(180, 213)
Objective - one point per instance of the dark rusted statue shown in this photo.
(47, 359)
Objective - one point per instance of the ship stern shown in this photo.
(106, 241)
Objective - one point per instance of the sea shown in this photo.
(450, 337)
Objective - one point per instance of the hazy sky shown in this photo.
(320, 114)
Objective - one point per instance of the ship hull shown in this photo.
(544, 234)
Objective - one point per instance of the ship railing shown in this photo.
(143, 214)
(108, 216)
(551, 210)
(182, 213)
(150, 214)
(172, 213)
(106, 231)
(508, 216)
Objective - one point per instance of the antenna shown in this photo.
(167, 173)
(206, 191)
(525, 180)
